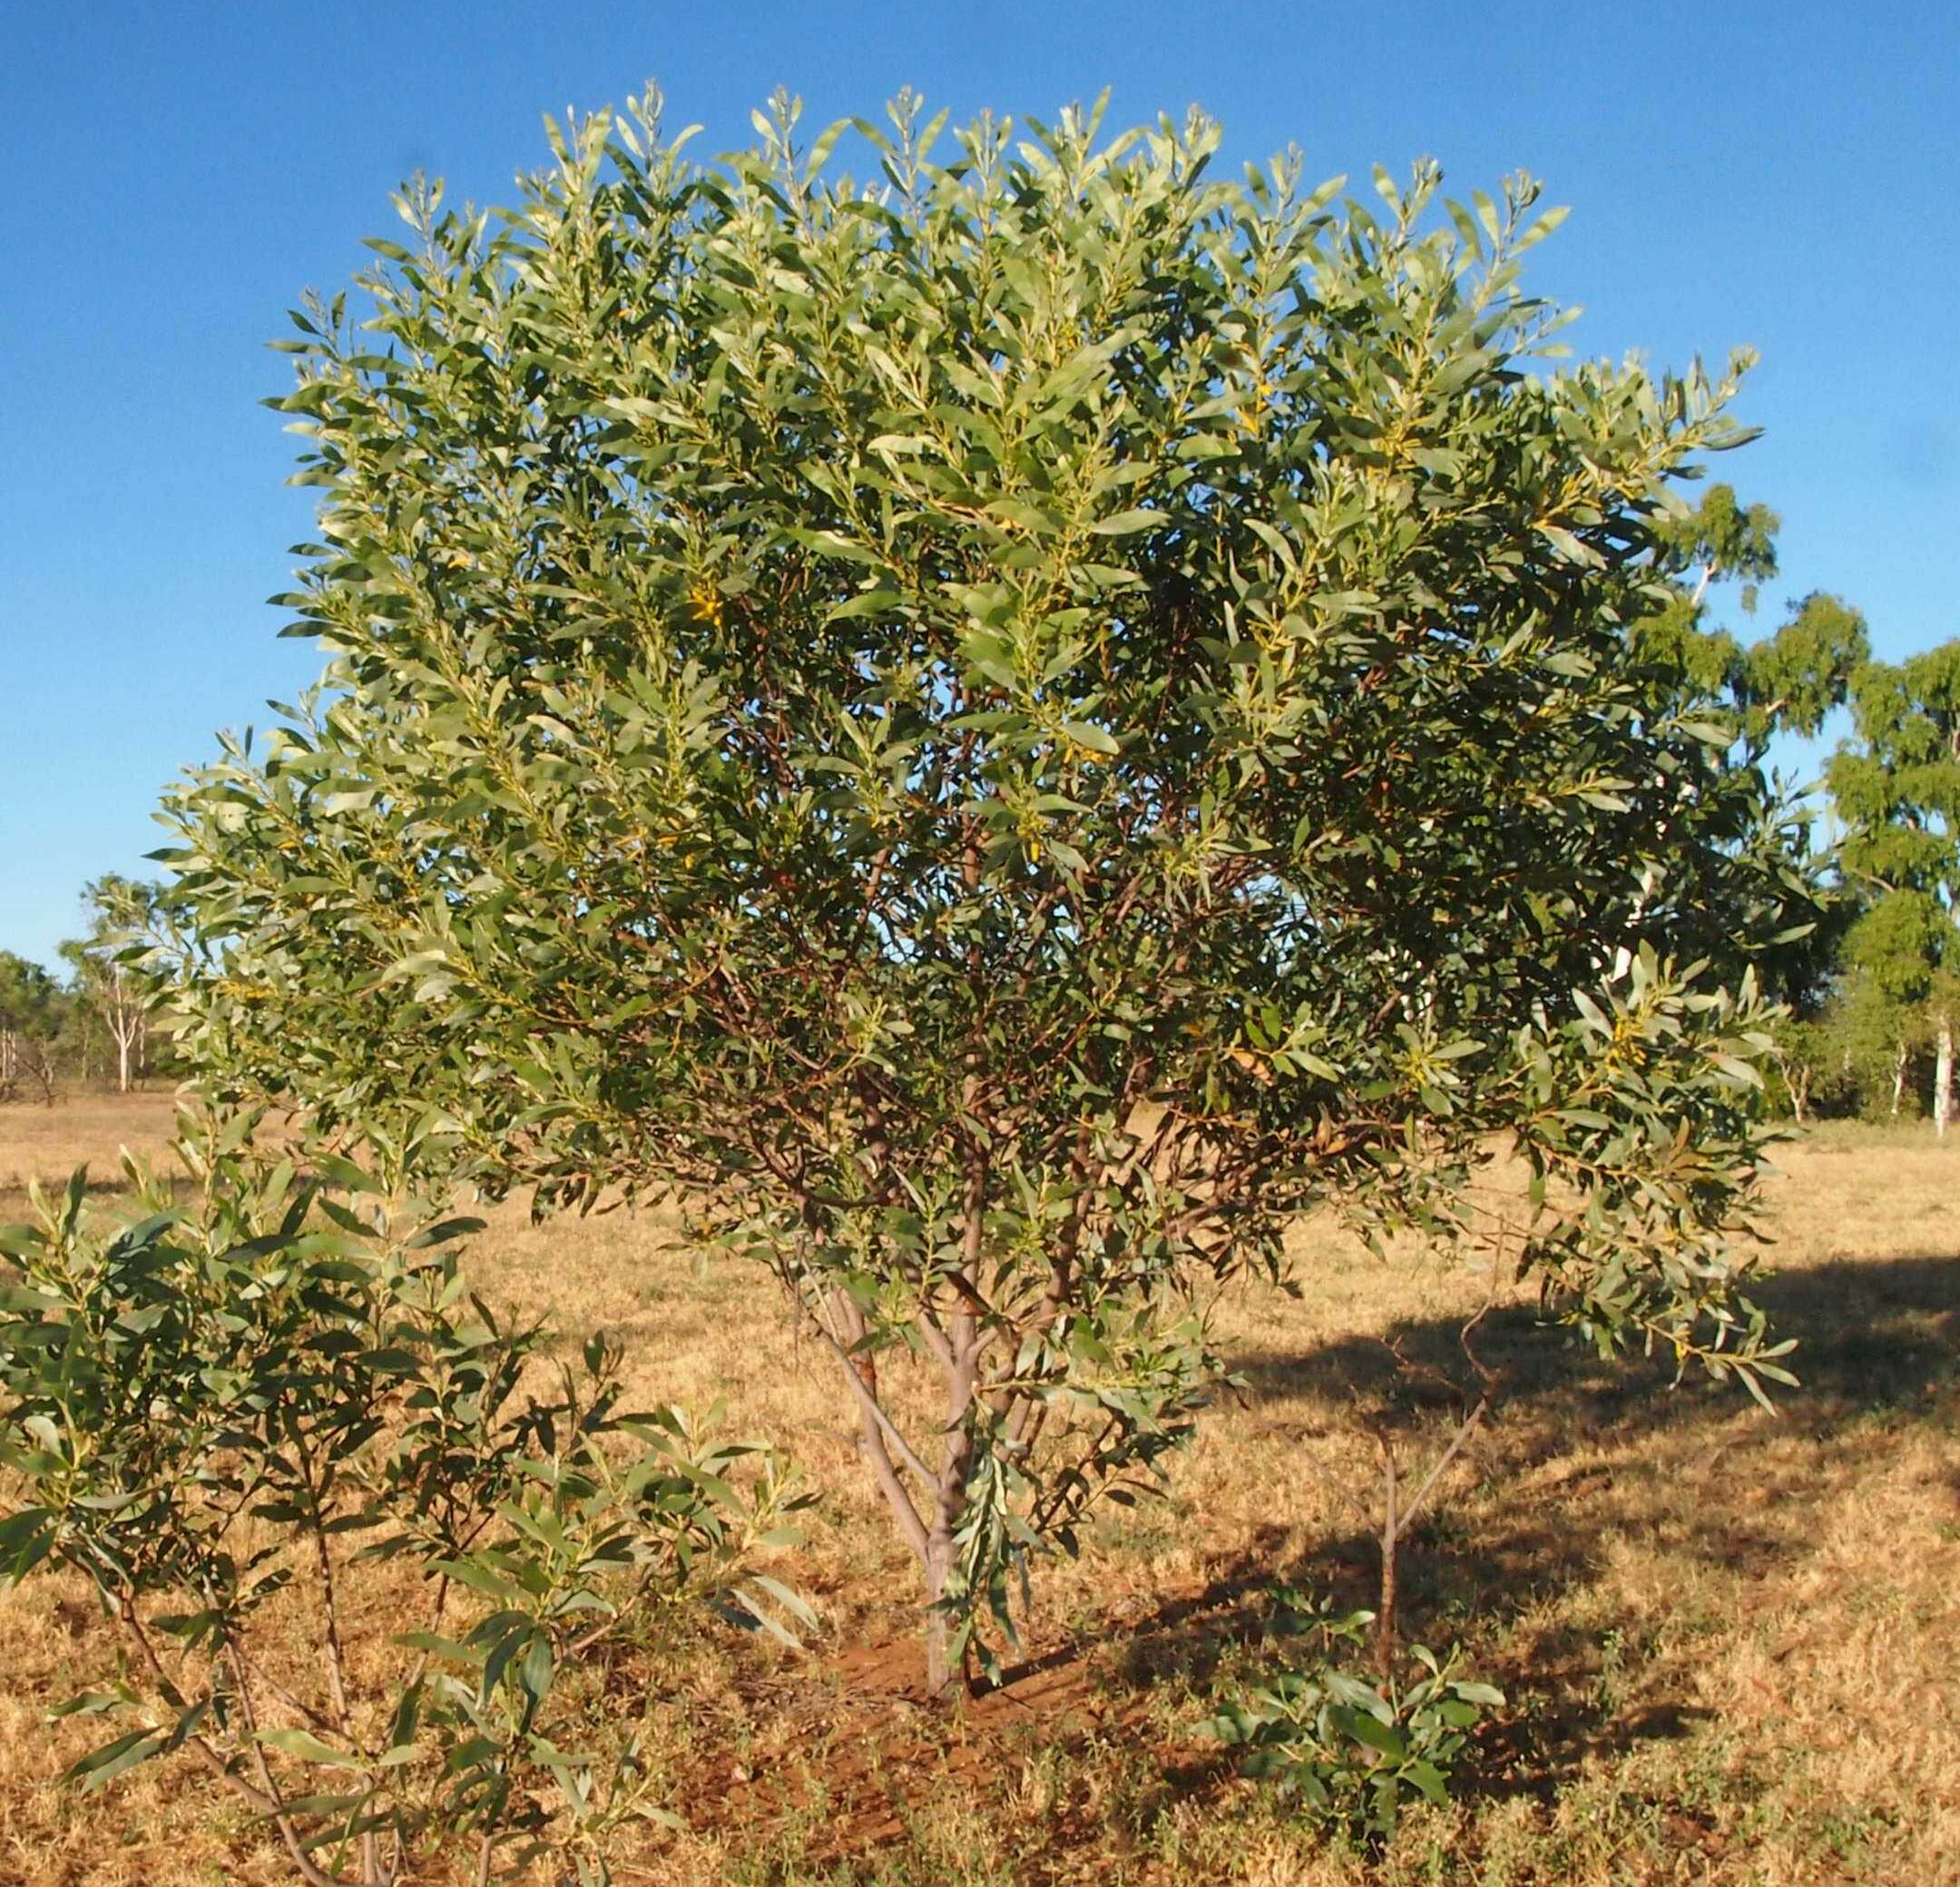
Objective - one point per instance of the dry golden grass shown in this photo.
(1731, 1643)
(48, 1143)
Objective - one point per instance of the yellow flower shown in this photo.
(707, 602)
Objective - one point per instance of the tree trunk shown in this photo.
(949, 1504)
(1898, 1080)
(1391, 1540)
(929, 1512)
(938, 1626)
(122, 1049)
(1943, 1076)
(928, 1532)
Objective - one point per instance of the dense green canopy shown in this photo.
(1008, 729)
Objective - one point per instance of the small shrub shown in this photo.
(210, 1413)
(1352, 1750)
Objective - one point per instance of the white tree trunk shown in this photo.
(1943, 1076)
(1898, 1080)
(125, 1016)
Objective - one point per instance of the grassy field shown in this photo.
(1731, 1642)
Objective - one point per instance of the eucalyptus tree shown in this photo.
(1787, 681)
(1003, 733)
(1896, 784)
(108, 978)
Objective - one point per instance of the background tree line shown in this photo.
(97, 1026)
(1870, 1028)
(1873, 991)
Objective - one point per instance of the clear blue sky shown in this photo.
(1786, 175)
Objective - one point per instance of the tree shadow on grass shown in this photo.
(1879, 1342)
(1582, 1448)
(1870, 1333)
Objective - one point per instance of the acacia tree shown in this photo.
(214, 1413)
(1896, 784)
(1786, 682)
(1005, 733)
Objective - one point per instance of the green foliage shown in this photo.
(1898, 944)
(1723, 539)
(35, 1014)
(1799, 675)
(1005, 733)
(113, 979)
(29, 996)
(211, 1412)
(1791, 678)
(1352, 1751)
(1897, 786)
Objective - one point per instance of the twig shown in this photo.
(1398, 1519)
(309, 1869)
(200, 1745)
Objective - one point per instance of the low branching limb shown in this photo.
(1464, 1430)
(201, 1746)
(297, 1705)
(1021, 1411)
(1399, 1517)
(916, 1534)
(932, 1333)
(882, 1440)
(1487, 1375)
(1073, 1484)
(874, 1410)
(434, 1626)
(310, 1871)
(848, 1323)
(335, 1654)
